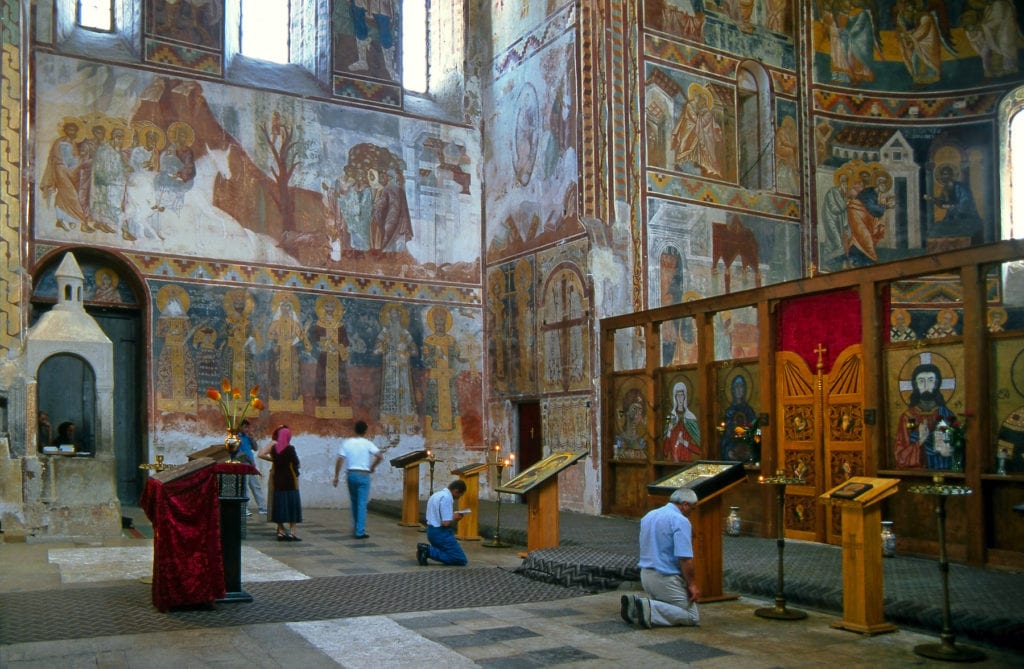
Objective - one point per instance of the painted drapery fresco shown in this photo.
(899, 45)
(531, 161)
(198, 169)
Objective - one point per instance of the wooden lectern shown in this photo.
(709, 480)
(410, 463)
(539, 484)
(468, 529)
(863, 602)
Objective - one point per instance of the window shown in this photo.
(96, 14)
(414, 45)
(265, 30)
(1017, 172)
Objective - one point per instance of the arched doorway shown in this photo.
(115, 298)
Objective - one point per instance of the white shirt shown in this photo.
(358, 453)
(440, 507)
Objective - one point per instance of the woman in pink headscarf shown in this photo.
(284, 480)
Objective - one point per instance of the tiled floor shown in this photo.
(574, 630)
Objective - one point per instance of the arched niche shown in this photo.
(66, 392)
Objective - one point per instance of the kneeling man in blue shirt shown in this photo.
(441, 519)
(666, 567)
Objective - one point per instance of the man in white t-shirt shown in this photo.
(441, 519)
(361, 457)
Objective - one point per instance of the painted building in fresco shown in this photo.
(437, 267)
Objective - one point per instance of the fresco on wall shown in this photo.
(700, 251)
(885, 193)
(901, 45)
(512, 321)
(197, 169)
(531, 163)
(691, 124)
(367, 38)
(408, 370)
(787, 148)
(740, 27)
(193, 22)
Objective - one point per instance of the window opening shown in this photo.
(96, 14)
(1017, 171)
(415, 48)
(265, 30)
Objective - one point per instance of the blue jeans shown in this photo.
(444, 547)
(359, 495)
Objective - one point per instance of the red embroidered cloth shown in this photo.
(188, 565)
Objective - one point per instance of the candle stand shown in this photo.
(496, 542)
(779, 611)
(946, 649)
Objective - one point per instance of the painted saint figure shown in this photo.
(285, 335)
(176, 370)
(332, 388)
(241, 339)
(396, 347)
(681, 440)
(440, 354)
(697, 137)
(61, 177)
(919, 441)
(739, 414)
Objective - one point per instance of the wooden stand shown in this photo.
(468, 529)
(863, 601)
(542, 516)
(709, 479)
(706, 520)
(411, 495)
(410, 463)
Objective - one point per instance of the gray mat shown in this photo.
(128, 609)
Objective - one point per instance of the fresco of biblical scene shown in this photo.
(199, 168)
(632, 439)
(531, 160)
(680, 435)
(737, 399)
(564, 336)
(901, 45)
(367, 38)
(692, 124)
(909, 191)
(924, 398)
(511, 319)
(702, 251)
(197, 23)
(679, 340)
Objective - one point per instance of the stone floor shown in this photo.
(331, 600)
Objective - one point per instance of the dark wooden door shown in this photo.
(124, 330)
(529, 449)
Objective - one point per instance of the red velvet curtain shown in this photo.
(832, 320)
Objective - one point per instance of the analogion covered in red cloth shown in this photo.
(188, 565)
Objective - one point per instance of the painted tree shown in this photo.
(285, 150)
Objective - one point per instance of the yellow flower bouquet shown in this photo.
(230, 401)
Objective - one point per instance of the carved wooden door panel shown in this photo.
(820, 437)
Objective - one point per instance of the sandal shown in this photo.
(292, 537)
(282, 536)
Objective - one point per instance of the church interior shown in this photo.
(771, 232)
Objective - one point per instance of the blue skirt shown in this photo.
(287, 507)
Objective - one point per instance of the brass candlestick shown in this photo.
(157, 466)
(946, 649)
(496, 542)
(779, 611)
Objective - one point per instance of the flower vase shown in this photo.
(888, 539)
(732, 522)
(231, 442)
